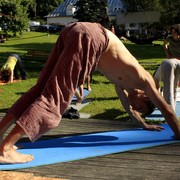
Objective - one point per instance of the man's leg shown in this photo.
(16, 75)
(8, 155)
(5, 123)
(169, 82)
(89, 82)
(20, 67)
(79, 94)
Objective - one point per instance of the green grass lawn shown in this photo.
(105, 104)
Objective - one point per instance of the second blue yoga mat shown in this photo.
(86, 92)
(156, 115)
(91, 145)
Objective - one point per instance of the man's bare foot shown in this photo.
(12, 157)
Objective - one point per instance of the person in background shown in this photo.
(169, 70)
(79, 93)
(2, 39)
(169, 73)
(172, 43)
(9, 70)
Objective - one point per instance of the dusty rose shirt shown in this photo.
(75, 55)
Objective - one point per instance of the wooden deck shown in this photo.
(162, 162)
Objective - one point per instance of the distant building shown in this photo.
(135, 22)
(63, 14)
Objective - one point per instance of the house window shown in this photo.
(117, 9)
(70, 9)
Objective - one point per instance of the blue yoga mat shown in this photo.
(90, 145)
(86, 92)
(156, 115)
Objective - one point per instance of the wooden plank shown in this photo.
(10, 175)
(162, 162)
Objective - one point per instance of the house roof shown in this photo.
(114, 6)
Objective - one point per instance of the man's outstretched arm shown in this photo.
(165, 108)
(134, 115)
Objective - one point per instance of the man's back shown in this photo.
(121, 67)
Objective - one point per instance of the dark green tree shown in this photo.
(171, 12)
(92, 11)
(43, 8)
(141, 5)
(14, 15)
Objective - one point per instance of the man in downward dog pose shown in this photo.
(81, 48)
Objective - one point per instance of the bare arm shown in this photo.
(156, 82)
(11, 74)
(165, 108)
(166, 49)
(134, 115)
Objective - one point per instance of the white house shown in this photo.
(136, 21)
(63, 14)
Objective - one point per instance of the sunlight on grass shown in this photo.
(11, 92)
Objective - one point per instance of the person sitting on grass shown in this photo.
(2, 38)
(9, 70)
(81, 48)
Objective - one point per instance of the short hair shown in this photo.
(176, 27)
(5, 75)
(151, 108)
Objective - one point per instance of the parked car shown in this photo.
(34, 23)
(33, 28)
(48, 28)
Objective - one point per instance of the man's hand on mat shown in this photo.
(153, 127)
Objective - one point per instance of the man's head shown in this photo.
(141, 103)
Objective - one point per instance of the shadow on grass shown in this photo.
(32, 37)
(20, 93)
(146, 51)
(38, 46)
(3, 110)
(112, 114)
(104, 99)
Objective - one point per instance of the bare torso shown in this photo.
(120, 66)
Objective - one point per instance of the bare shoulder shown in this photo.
(113, 39)
(121, 67)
